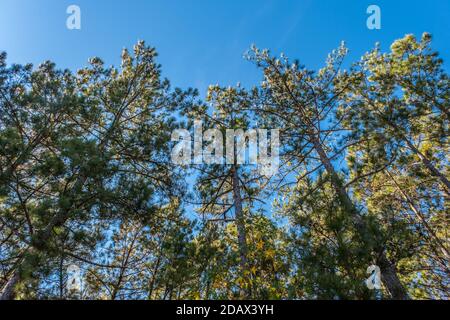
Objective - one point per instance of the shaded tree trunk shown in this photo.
(8, 292)
(427, 163)
(421, 217)
(389, 273)
(240, 224)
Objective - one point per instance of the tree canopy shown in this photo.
(87, 179)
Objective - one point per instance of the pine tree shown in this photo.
(74, 145)
(302, 102)
(232, 186)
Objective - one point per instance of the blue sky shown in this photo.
(202, 41)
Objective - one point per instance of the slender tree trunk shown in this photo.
(59, 219)
(390, 279)
(389, 273)
(8, 292)
(153, 279)
(240, 223)
(443, 109)
(123, 269)
(422, 218)
(61, 278)
(427, 163)
(43, 235)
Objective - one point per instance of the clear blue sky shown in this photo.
(202, 41)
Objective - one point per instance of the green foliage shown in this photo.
(86, 178)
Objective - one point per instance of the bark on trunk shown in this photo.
(427, 163)
(390, 279)
(8, 292)
(389, 273)
(422, 219)
(240, 224)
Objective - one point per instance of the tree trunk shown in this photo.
(427, 163)
(390, 279)
(389, 273)
(240, 224)
(59, 219)
(8, 292)
(422, 219)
